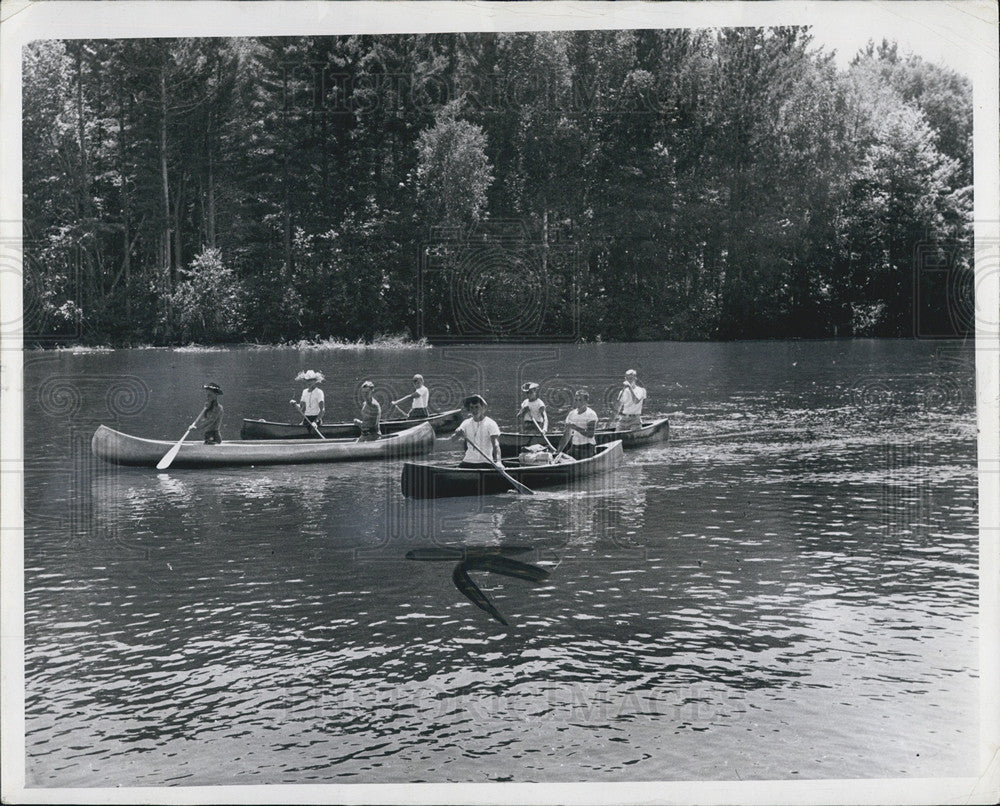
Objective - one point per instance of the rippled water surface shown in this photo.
(787, 588)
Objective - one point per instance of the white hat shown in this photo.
(310, 375)
(630, 372)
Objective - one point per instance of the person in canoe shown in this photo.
(532, 411)
(211, 418)
(312, 403)
(628, 410)
(419, 398)
(371, 414)
(581, 424)
(479, 431)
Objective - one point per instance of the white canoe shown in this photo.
(124, 449)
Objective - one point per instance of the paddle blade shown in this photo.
(170, 455)
(517, 485)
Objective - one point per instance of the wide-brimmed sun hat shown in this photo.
(310, 375)
(472, 400)
(213, 387)
(368, 385)
(527, 386)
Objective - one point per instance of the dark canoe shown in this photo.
(442, 423)
(657, 431)
(123, 449)
(439, 481)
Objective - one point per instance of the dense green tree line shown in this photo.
(623, 185)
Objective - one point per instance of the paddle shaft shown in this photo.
(540, 431)
(517, 485)
(169, 456)
(311, 423)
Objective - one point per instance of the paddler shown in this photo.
(211, 418)
(371, 414)
(479, 431)
(532, 410)
(581, 425)
(419, 398)
(628, 410)
(312, 403)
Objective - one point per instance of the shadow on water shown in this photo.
(495, 559)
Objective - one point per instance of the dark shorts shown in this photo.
(581, 451)
(213, 437)
(417, 414)
(477, 465)
(368, 435)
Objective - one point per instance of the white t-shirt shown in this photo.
(480, 434)
(312, 399)
(421, 396)
(575, 418)
(630, 406)
(536, 409)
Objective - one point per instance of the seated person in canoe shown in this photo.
(532, 415)
(211, 418)
(312, 403)
(628, 410)
(479, 431)
(581, 424)
(371, 414)
(419, 398)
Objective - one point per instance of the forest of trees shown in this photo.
(677, 184)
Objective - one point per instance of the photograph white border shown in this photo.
(961, 35)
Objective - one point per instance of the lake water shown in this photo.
(787, 588)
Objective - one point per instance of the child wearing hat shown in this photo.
(312, 402)
(533, 410)
(479, 431)
(419, 398)
(371, 414)
(211, 417)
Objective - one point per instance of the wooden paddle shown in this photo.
(540, 431)
(405, 414)
(314, 426)
(517, 485)
(169, 456)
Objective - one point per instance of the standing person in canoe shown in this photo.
(312, 403)
(532, 415)
(371, 414)
(419, 398)
(479, 431)
(581, 424)
(211, 417)
(628, 412)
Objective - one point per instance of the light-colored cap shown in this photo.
(368, 385)
(630, 372)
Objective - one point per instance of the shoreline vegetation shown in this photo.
(637, 185)
(402, 343)
(379, 342)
